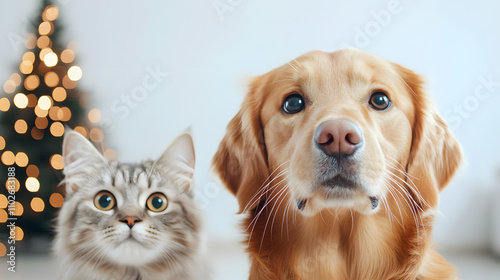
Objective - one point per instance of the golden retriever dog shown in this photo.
(337, 160)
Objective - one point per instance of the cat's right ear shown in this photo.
(79, 157)
(180, 157)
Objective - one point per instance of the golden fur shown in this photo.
(268, 160)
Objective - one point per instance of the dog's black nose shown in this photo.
(338, 137)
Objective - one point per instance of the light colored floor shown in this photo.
(229, 262)
(474, 265)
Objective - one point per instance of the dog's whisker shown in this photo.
(410, 184)
(352, 222)
(286, 213)
(401, 167)
(276, 205)
(264, 187)
(396, 200)
(408, 202)
(267, 201)
(264, 191)
(417, 193)
(256, 218)
(264, 231)
(413, 205)
(385, 205)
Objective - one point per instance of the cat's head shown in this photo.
(127, 214)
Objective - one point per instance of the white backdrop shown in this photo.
(200, 54)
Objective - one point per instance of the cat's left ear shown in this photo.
(80, 158)
(180, 157)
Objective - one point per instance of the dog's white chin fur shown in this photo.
(316, 204)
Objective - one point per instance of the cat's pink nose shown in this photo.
(130, 220)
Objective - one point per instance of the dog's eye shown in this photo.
(293, 104)
(157, 202)
(379, 101)
(104, 201)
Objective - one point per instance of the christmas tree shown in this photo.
(39, 99)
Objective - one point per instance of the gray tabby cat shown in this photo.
(128, 221)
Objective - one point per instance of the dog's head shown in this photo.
(341, 129)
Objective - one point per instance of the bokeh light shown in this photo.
(44, 42)
(20, 100)
(36, 133)
(30, 42)
(50, 13)
(2, 143)
(50, 59)
(8, 158)
(37, 204)
(4, 104)
(3, 219)
(67, 56)
(57, 129)
(45, 102)
(20, 126)
(56, 161)
(19, 234)
(26, 67)
(31, 82)
(18, 209)
(59, 94)
(54, 113)
(41, 112)
(44, 52)
(32, 100)
(96, 134)
(82, 130)
(46, 28)
(41, 123)
(3, 201)
(29, 57)
(66, 114)
(95, 115)
(16, 78)
(75, 73)
(9, 86)
(32, 184)
(68, 83)
(51, 79)
(22, 159)
(56, 200)
(110, 153)
(32, 171)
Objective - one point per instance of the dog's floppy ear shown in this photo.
(435, 152)
(240, 160)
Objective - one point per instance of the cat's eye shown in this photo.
(157, 202)
(293, 103)
(379, 101)
(104, 201)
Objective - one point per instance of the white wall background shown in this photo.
(208, 57)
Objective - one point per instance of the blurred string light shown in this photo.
(20, 100)
(42, 66)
